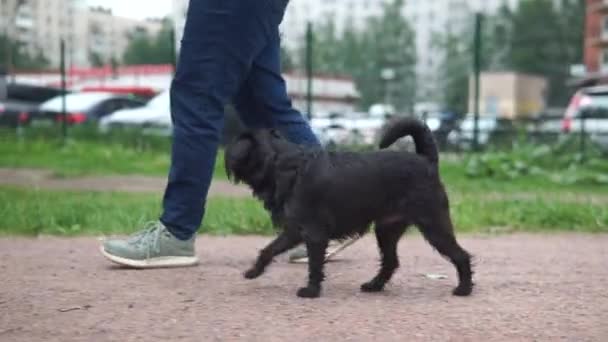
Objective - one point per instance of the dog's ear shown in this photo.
(286, 176)
(238, 152)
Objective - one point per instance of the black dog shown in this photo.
(315, 196)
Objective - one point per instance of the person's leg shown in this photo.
(221, 40)
(263, 102)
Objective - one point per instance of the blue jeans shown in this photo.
(230, 52)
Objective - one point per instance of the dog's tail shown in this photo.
(419, 131)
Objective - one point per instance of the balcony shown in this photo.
(24, 22)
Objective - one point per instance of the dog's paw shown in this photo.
(309, 292)
(462, 291)
(372, 286)
(253, 273)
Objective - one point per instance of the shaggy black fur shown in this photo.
(315, 196)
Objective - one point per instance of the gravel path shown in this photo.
(530, 288)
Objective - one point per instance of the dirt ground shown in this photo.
(44, 179)
(529, 288)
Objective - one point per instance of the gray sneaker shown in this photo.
(300, 255)
(152, 247)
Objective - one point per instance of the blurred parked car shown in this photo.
(441, 123)
(590, 104)
(82, 107)
(23, 100)
(353, 128)
(31, 93)
(154, 117)
(15, 113)
(490, 128)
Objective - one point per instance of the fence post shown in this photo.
(583, 145)
(477, 72)
(64, 114)
(309, 69)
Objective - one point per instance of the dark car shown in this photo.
(22, 101)
(15, 113)
(31, 93)
(83, 107)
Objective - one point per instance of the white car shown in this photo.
(348, 128)
(593, 102)
(488, 127)
(153, 118)
(83, 107)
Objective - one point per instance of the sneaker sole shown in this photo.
(331, 253)
(161, 262)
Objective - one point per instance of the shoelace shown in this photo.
(151, 233)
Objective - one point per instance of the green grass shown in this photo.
(34, 212)
(131, 154)
(91, 157)
(547, 206)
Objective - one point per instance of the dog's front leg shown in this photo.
(316, 246)
(284, 242)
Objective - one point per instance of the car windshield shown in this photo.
(596, 100)
(161, 100)
(75, 102)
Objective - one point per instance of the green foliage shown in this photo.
(143, 49)
(20, 59)
(546, 41)
(35, 212)
(287, 63)
(538, 38)
(96, 59)
(89, 152)
(557, 163)
(386, 42)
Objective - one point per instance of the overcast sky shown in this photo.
(138, 9)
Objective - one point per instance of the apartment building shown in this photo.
(39, 25)
(596, 36)
(426, 17)
(101, 35)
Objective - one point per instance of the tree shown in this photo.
(96, 59)
(144, 49)
(458, 55)
(386, 42)
(546, 40)
(287, 63)
(541, 37)
(20, 59)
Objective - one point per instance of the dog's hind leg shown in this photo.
(316, 245)
(284, 242)
(438, 231)
(387, 237)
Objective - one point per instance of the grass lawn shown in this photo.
(91, 157)
(479, 203)
(33, 212)
(131, 155)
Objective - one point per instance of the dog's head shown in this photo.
(251, 157)
(267, 163)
